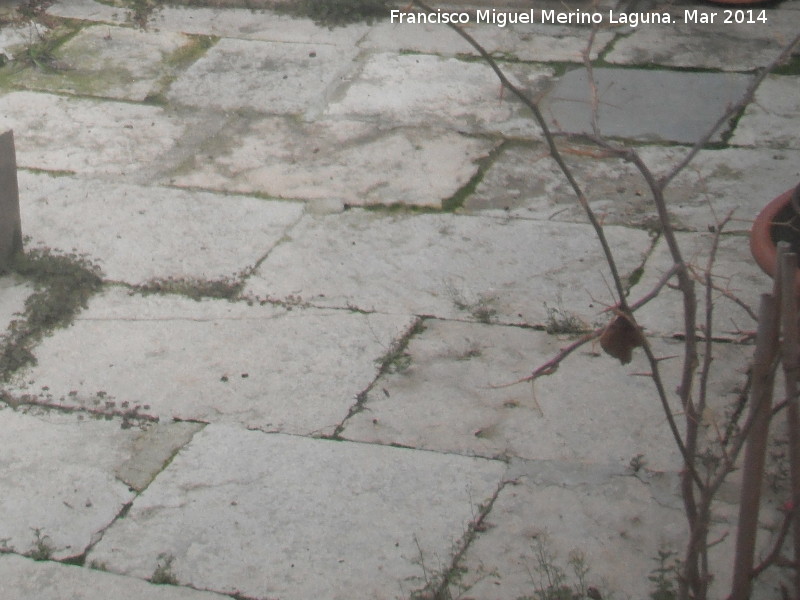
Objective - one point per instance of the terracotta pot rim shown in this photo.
(763, 249)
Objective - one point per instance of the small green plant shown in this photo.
(662, 577)
(195, 288)
(560, 321)
(42, 549)
(336, 12)
(552, 581)
(163, 574)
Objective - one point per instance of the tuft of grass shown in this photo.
(560, 321)
(43, 549)
(163, 575)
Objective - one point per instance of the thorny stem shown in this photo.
(695, 575)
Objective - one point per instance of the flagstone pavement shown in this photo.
(323, 253)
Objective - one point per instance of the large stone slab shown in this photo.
(535, 42)
(287, 517)
(446, 265)
(773, 117)
(251, 24)
(728, 46)
(615, 522)
(345, 161)
(735, 277)
(89, 10)
(57, 478)
(93, 137)
(418, 88)
(268, 367)
(112, 62)
(267, 77)
(25, 579)
(524, 181)
(647, 105)
(443, 396)
(137, 233)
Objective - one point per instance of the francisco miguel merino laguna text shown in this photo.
(503, 18)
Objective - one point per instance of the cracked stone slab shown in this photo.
(89, 10)
(444, 396)
(773, 118)
(112, 62)
(58, 478)
(90, 137)
(138, 233)
(26, 579)
(346, 161)
(735, 275)
(280, 369)
(266, 77)
(13, 293)
(647, 105)
(523, 181)
(540, 43)
(445, 265)
(614, 520)
(152, 450)
(288, 517)
(717, 45)
(249, 24)
(419, 89)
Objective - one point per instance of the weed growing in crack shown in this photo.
(552, 581)
(481, 308)
(42, 549)
(397, 359)
(63, 285)
(560, 321)
(225, 288)
(163, 575)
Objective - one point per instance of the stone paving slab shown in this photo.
(539, 43)
(772, 119)
(247, 24)
(57, 477)
(735, 273)
(90, 137)
(419, 89)
(443, 397)
(718, 45)
(267, 77)
(524, 182)
(617, 522)
(345, 161)
(445, 265)
(287, 517)
(89, 10)
(646, 105)
(25, 579)
(268, 367)
(112, 62)
(138, 233)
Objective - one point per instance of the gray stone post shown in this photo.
(10, 225)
